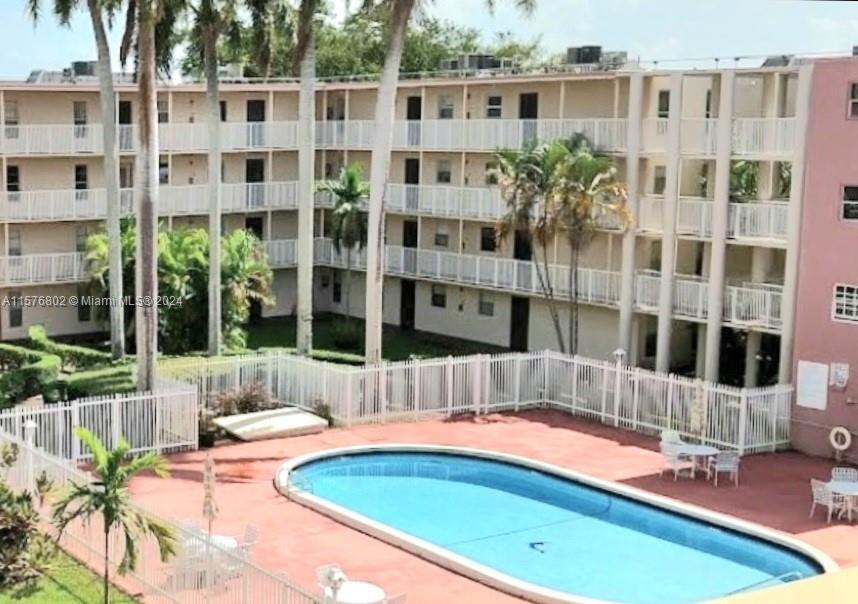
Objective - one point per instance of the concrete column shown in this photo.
(700, 357)
(720, 207)
(788, 304)
(627, 272)
(668, 244)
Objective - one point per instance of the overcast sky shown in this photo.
(649, 29)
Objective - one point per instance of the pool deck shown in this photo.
(774, 492)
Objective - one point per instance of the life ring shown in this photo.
(840, 438)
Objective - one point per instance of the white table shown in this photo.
(357, 592)
(696, 452)
(849, 490)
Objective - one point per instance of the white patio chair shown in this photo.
(397, 599)
(844, 474)
(671, 437)
(324, 575)
(724, 462)
(674, 460)
(822, 495)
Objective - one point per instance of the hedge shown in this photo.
(75, 357)
(29, 372)
(115, 379)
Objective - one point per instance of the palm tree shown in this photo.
(527, 179)
(400, 13)
(247, 279)
(108, 497)
(305, 59)
(98, 10)
(587, 187)
(213, 18)
(348, 220)
(148, 21)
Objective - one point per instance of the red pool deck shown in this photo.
(774, 491)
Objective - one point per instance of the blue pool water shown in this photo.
(550, 531)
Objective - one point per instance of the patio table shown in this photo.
(357, 592)
(849, 490)
(699, 453)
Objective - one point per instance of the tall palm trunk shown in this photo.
(106, 577)
(214, 188)
(306, 161)
(543, 274)
(348, 283)
(146, 312)
(107, 98)
(384, 115)
(575, 257)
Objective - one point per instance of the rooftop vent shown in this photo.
(777, 61)
(477, 62)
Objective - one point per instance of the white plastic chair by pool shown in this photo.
(671, 437)
(675, 461)
(726, 462)
(822, 495)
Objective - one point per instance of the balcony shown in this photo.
(91, 204)
(34, 269)
(765, 138)
(755, 222)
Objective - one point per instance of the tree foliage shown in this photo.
(183, 263)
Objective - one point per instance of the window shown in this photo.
(81, 177)
(650, 342)
(81, 234)
(163, 112)
(845, 305)
(16, 311)
(488, 243)
(494, 107)
(163, 172)
(10, 111)
(659, 180)
(853, 101)
(443, 171)
(445, 107)
(663, 103)
(79, 113)
(491, 176)
(13, 183)
(223, 111)
(439, 296)
(338, 288)
(487, 305)
(84, 311)
(442, 237)
(14, 242)
(850, 202)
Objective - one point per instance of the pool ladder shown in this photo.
(784, 578)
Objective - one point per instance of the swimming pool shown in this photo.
(543, 532)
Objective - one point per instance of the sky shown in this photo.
(649, 29)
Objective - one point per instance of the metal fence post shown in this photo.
(517, 381)
(743, 421)
(477, 377)
(448, 373)
(30, 438)
(618, 367)
(349, 396)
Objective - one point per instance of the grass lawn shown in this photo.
(397, 345)
(67, 582)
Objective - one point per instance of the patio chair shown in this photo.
(671, 437)
(844, 474)
(675, 461)
(724, 462)
(323, 581)
(822, 495)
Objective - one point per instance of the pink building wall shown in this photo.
(828, 253)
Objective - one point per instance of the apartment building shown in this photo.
(703, 278)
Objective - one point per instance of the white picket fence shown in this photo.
(748, 419)
(232, 578)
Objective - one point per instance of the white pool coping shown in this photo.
(486, 574)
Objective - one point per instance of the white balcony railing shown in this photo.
(758, 220)
(91, 204)
(482, 203)
(763, 136)
(694, 217)
(282, 253)
(42, 268)
(654, 134)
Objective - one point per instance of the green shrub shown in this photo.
(115, 379)
(73, 356)
(29, 372)
(347, 335)
(248, 398)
